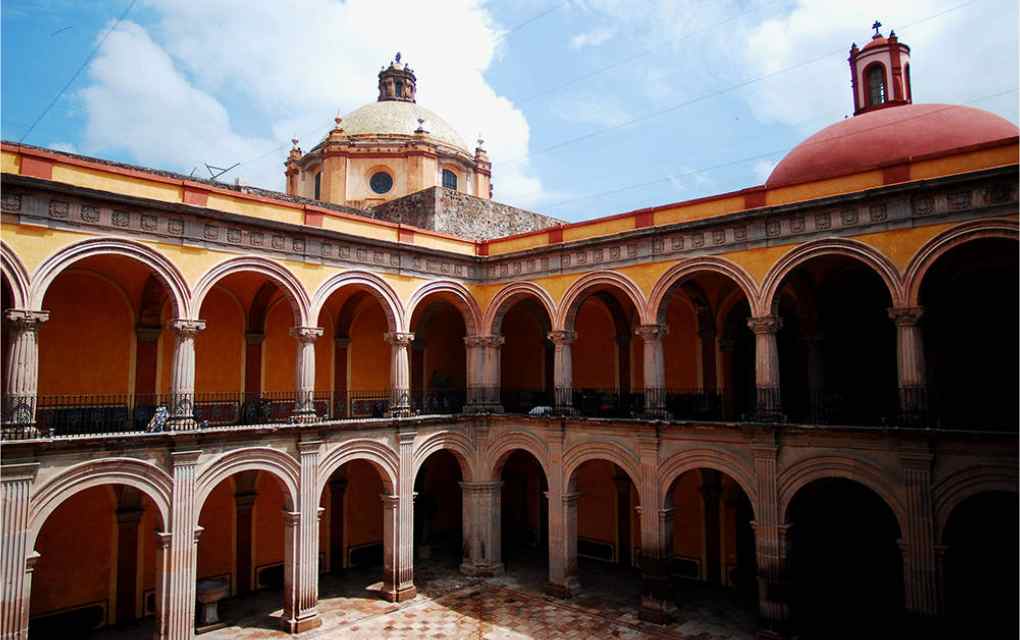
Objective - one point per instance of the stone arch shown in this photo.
(456, 443)
(705, 458)
(510, 295)
(609, 451)
(379, 455)
(376, 286)
(967, 482)
(293, 289)
(767, 302)
(144, 476)
(16, 276)
(946, 241)
(457, 294)
(506, 444)
(280, 465)
(157, 262)
(576, 294)
(688, 268)
(793, 479)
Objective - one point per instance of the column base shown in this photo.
(399, 412)
(400, 595)
(302, 624)
(563, 591)
(482, 570)
(304, 417)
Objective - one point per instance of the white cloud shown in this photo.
(285, 71)
(66, 147)
(592, 38)
(601, 110)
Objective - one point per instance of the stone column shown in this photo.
(654, 369)
(656, 532)
(771, 542)
(482, 528)
(243, 503)
(21, 371)
(302, 590)
(17, 559)
(304, 374)
(175, 589)
(563, 549)
(920, 566)
(711, 490)
(391, 547)
(337, 489)
(400, 375)
(401, 554)
(128, 518)
(563, 372)
(766, 367)
(483, 356)
(182, 376)
(913, 390)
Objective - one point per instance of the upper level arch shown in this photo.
(277, 273)
(46, 273)
(281, 465)
(372, 285)
(510, 295)
(680, 273)
(592, 283)
(580, 453)
(768, 300)
(449, 291)
(15, 275)
(382, 457)
(456, 443)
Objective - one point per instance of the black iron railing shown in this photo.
(438, 401)
(694, 404)
(361, 404)
(523, 400)
(608, 403)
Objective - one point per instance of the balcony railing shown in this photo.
(694, 404)
(523, 400)
(438, 401)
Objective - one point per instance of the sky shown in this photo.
(587, 107)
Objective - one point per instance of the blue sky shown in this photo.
(588, 107)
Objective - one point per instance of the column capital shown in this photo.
(26, 319)
(652, 331)
(906, 316)
(19, 471)
(484, 341)
(163, 540)
(291, 518)
(765, 324)
(562, 337)
(389, 502)
(187, 327)
(184, 458)
(306, 334)
(399, 339)
(482, 486)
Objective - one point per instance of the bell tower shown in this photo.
(880, 72)
(397, 82)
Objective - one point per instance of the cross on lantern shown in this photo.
(876, 27)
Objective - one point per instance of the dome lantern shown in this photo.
(397, 82)
(880, 72)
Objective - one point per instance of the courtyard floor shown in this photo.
(513, 607)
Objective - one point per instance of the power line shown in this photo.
(77, 73)
(767, 154)
(506, 34)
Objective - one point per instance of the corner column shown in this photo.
(654, 369)
(771, 542)
(766, 367)
(18, 559)
(400, 374)
(21, 371)
(304, 374)
(563, 371)
(913, 390)
(175, 584)
(182, 377)
(482, 528)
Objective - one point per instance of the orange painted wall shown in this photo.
(324, 358)
(680, 347)
(523, 352)
(268, 520)
(369, 353)
(86, 346)
(279, 350)
(688, 517)
(77, 547)
(219, 348)
(594, 350)
(362, 505)
(596, 507)
(216, 544)
(146, 534)
(444, 347)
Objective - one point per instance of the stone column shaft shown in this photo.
(771, 545)
(182, 376)
(766, 365)
(180, 560)
(21, 371)
(400, 373)
(483, 354)
(563, 371)
(302, 588)
(482, 528)
(304, 373)
(563, 572)
(656, 531)
(910, 361)
(17, 559)
(654, 369)
(391, 546)
(404, 588)
(920, 557)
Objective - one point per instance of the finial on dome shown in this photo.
(398, 57)
(294, 141)
(481, 141)
(876, 27)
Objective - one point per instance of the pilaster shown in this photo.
(17, 559)
(563, 581)
(177, 618)
(771, 540)
(919, 554)
(302, 589)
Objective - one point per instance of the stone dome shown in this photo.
(391, 117)
(880, 137)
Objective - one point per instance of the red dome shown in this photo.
(885, 135)
(877, 41)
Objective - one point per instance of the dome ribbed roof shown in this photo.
(870, 140)
(401, 118)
